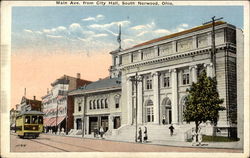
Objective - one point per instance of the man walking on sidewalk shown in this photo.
(171, 128)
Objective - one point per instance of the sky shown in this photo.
(48, 42)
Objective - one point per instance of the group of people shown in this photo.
(100, 131)
(145, 135)
(194, 137)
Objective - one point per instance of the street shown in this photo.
(52, 143)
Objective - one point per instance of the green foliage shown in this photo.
(206, 138)
(203, 102)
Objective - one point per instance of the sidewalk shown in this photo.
(217, 145)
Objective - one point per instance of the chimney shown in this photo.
(78, 75)
(34, 97)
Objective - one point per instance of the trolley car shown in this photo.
(29, 124)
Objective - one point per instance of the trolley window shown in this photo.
(34, 119)
(27, 119)
(40, 119)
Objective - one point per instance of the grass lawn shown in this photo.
(217, 139)
(206, 138)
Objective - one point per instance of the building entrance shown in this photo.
(78, 124)
(93, 124)
(166, 111)
(117, 122)
(105, 123)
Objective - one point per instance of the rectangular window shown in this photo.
(27, 119)
(34, 120)
(79, 108)
(166, 81)
(185, 78)
(148, 82)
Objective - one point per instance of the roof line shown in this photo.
(177, 34)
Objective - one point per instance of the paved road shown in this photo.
(51, 143)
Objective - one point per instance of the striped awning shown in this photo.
(57, 121)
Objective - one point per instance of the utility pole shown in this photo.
(213, 50)
(136, 79)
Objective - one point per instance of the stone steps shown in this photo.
(155, 133)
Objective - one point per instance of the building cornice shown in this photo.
(172, 57)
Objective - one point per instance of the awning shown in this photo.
(58, 121)
(45, 121)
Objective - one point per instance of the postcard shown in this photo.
(124, 79)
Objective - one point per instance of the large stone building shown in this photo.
(165, 68)
(168, 65)
(57, 106)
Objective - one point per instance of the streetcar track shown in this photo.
(78, 146)
(49, 145)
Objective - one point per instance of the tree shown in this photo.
(203, 102)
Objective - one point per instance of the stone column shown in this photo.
(111, 122)
(75, 123)
(174, 97)
(209, 69)
(87, 125)
(129, 100)
(156, 97)
(193, 73)
(140, 103)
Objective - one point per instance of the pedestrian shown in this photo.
(163, 120)
(194, 134)
(140, 135)
(101, 131)
(199, 136)
(145, 135)
(171, 128)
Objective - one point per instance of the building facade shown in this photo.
(29, 104)
(58, 108)
(168, 65)
(98, 104)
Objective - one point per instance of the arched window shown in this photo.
(90, 104)
(117, 101)
(102, 103)
(98, 104)
(94, 105)
(106, 103)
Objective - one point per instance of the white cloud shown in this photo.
(105, 26)
(75, 26)
(100, 35)
(162, 31)
(138, 27)
(184, 25)
(96, 18)
(142, 33)
(128, 40)
(149, 26)
(61, 28)
(89, 19)
(52, 36)
(100, 16)
(38, 32)
(27, 30)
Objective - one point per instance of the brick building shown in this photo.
(57, 106)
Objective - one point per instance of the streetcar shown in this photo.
(29, 124)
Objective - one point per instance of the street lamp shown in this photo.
(136, 79)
